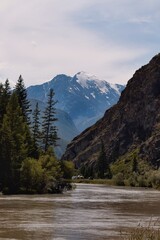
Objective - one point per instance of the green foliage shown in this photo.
(68, 169)
(130, 170)
(5, 93)
(118, 179)
(103, 168)
(155, 179)
(19, 170)
(36, 125)
(88, 170)
(36, 131)
(40, 176)
(4, 99)
(14, 144)
(135, 171)
(129, 164)
(22, 99)
(49, 131)
(134, 165)
(32, 176)
(51, 166)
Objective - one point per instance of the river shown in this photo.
(90, 212)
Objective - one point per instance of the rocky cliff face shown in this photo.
(134, 122)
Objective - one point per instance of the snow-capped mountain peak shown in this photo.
(87, 80)
(84, 78)
(84, 96)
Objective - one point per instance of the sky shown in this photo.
(107, 38)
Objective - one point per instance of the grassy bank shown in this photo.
(150, 232)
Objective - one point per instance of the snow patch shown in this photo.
(115, 87)
(70, 90)
(82, 79)
(93, 95)
(86, 97)
(87, 80)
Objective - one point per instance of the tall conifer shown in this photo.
(36, 130)
(22, 98)
(5, 92)
(103, 167)
(49, 130)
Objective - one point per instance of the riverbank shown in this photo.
(152, 232)
(117, 182)
(108, 182)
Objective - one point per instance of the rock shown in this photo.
(134, 122)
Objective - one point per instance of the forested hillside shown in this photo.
(27, 160)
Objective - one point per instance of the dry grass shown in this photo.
(151, 232)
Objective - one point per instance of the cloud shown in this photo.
(141, 20)
(40, 39)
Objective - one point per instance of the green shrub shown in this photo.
(118, 179)
(40, 176)
(68, 169)
(142, 182)
(32, 175)
(155, 179)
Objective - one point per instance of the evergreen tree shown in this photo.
(25, 107)
(1, 103)
(14, 144)
(36, 130)
(5, 93)
(135, 165)
(7, 89)
(22, 98)
(103, 168)
(49, 130)
(1, 119)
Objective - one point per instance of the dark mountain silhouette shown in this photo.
(133, 123)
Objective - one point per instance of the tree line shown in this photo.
(27, 160)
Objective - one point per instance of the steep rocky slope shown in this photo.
(134, 122)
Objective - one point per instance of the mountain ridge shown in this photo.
(133, 123)
(84, 97)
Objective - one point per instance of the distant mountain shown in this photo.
(84, 97)
(66, 128)
(130, 130)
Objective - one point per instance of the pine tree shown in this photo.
(49, 130)
(14, 144)
(7, 88)
(1, 119)
(135, 165)
(22, 98)
(1, 103)
(36, 130)
(5, 93)
(103, 167)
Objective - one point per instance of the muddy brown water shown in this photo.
(90, 212)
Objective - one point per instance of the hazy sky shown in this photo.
(107, 38)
